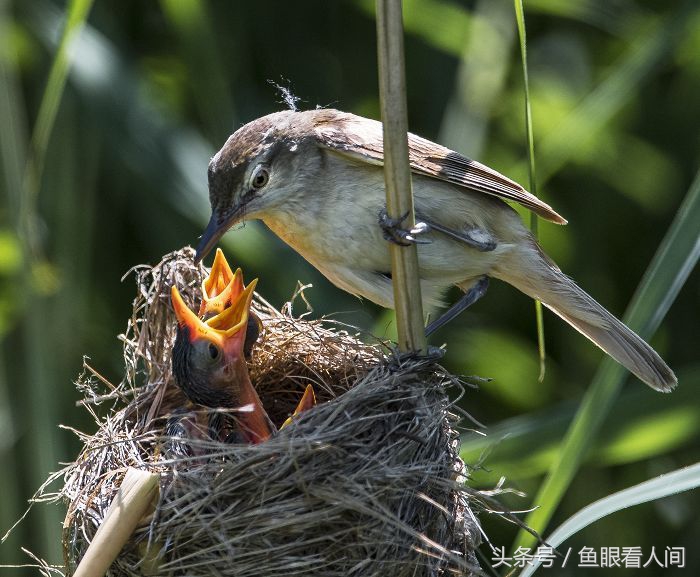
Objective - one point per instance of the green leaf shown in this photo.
(662, 486)
(645, 426)
(532, 169)
(78, 11)
(39, 275)
(673, 262)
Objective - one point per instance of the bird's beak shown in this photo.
(214, 231)
(186, 317)
(232, 322)
(228, 328)
(219, 276)
(220, 288)
(308, 401)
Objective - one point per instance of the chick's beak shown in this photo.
(228, 328)
(308, 401)
(187, 318)
(220, 288)
(219, 276)
(232, 322)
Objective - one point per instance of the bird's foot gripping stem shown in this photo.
(468, 299)
(392, 231)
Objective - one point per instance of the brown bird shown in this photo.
(315, 178)
(209, 365)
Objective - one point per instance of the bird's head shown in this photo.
(264, 166)
(208, 358)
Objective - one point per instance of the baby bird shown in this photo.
(208, 358)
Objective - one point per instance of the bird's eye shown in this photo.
(214, 351)
(259, 177)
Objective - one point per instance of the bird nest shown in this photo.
(368, 482)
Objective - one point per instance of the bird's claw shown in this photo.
(398, 358)
(392, 231)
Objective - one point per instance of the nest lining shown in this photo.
(369, 482)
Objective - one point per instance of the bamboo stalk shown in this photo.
(397, 174)
(132, 501)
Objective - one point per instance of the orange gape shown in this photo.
(210, 350)
(208, 356)
(217, 288)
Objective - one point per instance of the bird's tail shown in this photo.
(532, 272)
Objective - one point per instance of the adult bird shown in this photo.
(208, 363)
(315, 178)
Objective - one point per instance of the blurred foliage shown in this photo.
(155, 88)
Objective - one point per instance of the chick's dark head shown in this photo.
(208, 358)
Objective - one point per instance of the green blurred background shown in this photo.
(156, 87)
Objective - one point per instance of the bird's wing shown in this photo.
(363, 141)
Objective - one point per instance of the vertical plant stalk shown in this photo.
(534, 219)
(397, 174)
(134, 499)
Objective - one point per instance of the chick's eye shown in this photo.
(213, 351)
(259, 177)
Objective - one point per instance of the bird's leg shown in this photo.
(392, 231)
(468, 298)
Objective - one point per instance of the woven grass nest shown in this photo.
(368, 482)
